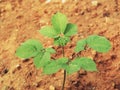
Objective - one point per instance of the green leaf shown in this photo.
(59, 22)
(34, 43)
(86, 63)
(65, 66)
(73, 67)
(61, 41)
(41, 59)
(56, 65)
(50, 50)
(56, 41)
(80, 45)
(70, 30)
(78, 63)
(98, 43)
(48, 31)
(51, 68)
(26, 51)
(61, 61)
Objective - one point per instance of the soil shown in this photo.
(21, 19)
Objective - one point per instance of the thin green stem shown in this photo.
(64, 78)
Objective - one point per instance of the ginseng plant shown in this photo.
(61, 31)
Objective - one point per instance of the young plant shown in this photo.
(61, 31)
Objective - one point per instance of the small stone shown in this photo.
(63, 1)
(94, 3)
(48, 1)
(8, 6)
(18, 66)
(107, 20)
(91, 25)
(82, 13)
(16, 30)
(51, 87)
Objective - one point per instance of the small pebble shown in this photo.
(48, 1)
(8, 6)
(94, 3)
(51, 87)
(107, 20)
(63, 1)
(18, 66)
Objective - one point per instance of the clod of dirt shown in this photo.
(89, 87)
(113, 57)
(19, 17)
(117, 86)
(82, 73)
(106, 14)
(8, 88)
(5, 71)
(77, 84)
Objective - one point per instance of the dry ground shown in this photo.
(21, 19)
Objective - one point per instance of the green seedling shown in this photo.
(61, 31)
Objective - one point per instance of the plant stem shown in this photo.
(64, 79)
(63, 52)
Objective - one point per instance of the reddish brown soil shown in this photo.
(21, 19)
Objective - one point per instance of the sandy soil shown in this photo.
(21, 19)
